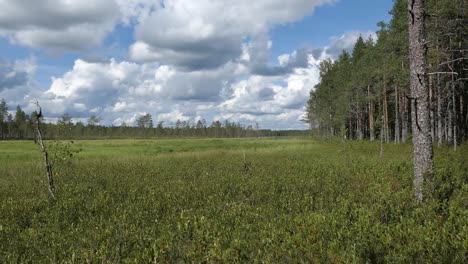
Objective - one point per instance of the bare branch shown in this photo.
(448, 62)
(448, 73)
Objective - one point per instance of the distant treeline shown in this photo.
(365, 95)
(20, 126)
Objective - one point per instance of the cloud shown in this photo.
(173, 116)
(57, 25)
(344, 42)
(119, 91)
(17, 80)
(133, 11)
(189, 60)
(273, 101)
(257, 54)
(98, 86)
(207, 34)
(11, 75)
(182, 33)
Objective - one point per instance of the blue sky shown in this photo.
(331, 20)
(251, 62)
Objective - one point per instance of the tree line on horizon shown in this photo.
(21, 126)
(366, 94)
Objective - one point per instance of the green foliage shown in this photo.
(65, 120)
(22, 127)
(94, 120)
(3, 110)
(144, 121)
(358, 89)
(61, 155)
(3, 118)
(171, 201)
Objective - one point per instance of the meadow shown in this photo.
(294, 200)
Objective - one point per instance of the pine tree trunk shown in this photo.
(439, 94)
(359, 126)
(371, 115)
(385, 116)
(422, 142)
(382, 140)
(446, 126)
(397, 119)
(385, 112)
(404, 121)
(454, 107)
(462, 117)
(450, 117)
(431, 111)
(439, 113)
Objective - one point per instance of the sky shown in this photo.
(243, 61)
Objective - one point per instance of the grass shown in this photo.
(191, 201)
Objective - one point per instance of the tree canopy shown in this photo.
(365, 94)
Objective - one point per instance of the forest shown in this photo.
(365, 94)
(21, 126)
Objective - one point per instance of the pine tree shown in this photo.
(3, 118)
(20, 122)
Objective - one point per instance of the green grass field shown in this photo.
(172, 201)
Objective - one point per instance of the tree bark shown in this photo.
(382, 139)
(431, 108)
(449, 123)
(462, 117)
(439, 93)
(422, 142)
(454, 109)
(385, 112)
(371, 115)
(397, 119)
(350, 127)
(446, 131)
(439, 113)
(404, 121)
(454, 105)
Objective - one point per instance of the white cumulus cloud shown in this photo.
(188, 59)
(207, 34)
(57, 25)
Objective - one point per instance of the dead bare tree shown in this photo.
(45, 153)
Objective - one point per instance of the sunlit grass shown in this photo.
(190, 201)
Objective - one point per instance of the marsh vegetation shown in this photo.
(190, 201)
